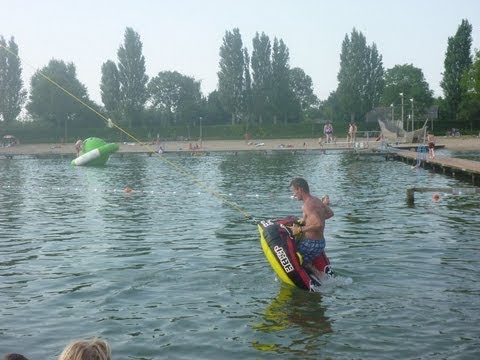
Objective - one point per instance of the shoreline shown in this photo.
(462, 143)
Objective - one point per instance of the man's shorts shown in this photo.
(310, 249)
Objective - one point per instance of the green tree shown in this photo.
(330, 108)
(469, 109)
(262, 76)
(360, 79)
(247, 89)
(282, 96)
(12, 93)
(215, 112)
(458, 60)
(59, 106)
(110, 88)
(472, 78)
(407, 80)
(230, 76)
(302, 87)
(177, 97)
(132, 77)
(375, 81)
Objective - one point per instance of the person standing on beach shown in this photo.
(349, 133)
(315, 212)
(352, 133)
(328, 132)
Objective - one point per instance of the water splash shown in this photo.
(330, 283)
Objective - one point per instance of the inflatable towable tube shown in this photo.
(95, 152)
(279, 247)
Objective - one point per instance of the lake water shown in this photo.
(174, 270)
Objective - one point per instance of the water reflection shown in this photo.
(292, 310)
(12, 208)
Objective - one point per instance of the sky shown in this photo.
(186, 35)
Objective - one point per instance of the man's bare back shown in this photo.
(315, 212)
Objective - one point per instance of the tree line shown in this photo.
(254, 88)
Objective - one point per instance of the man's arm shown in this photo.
(328, 212)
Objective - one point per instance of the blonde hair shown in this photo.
(87, 349)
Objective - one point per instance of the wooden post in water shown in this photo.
(410, 196)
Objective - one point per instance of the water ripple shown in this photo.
(172, 270)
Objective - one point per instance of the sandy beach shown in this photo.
(467, 143)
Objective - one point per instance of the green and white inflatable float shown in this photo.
(95, 152)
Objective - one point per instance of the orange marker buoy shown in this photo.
(436, 197)
(127, 189)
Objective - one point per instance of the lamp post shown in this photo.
(65, 135)
(401, 94)
(68, 118)
(411, 100)
(201, 135)
(393, 117)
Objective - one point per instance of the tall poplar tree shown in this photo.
(247, 88)
(12, 93)
(469, 109)
(281, 92)
(230, 75)
(262, 76)
(375, 78)
(360, 79)
(110, 88)
(132, 77)
(458, 60)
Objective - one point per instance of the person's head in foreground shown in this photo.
(14, 356)
(87, 349)
(300, 188)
